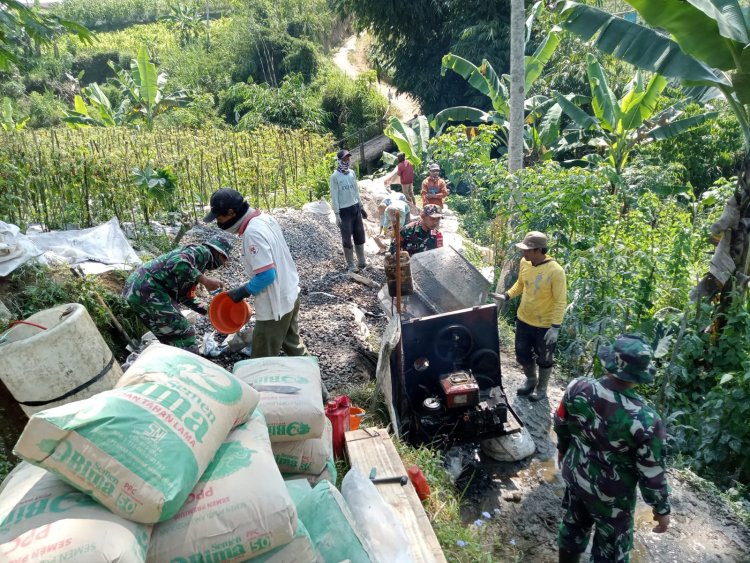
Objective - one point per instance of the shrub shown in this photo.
(45, 110)
(350, 104)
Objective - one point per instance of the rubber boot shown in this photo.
(530, 371)
(349, 255)
(361, 261)
(566, 556)
(541, 387)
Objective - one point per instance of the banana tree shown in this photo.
(485, 79)
(93, 108)
(708, 45)
(617, 126)
(410, 140)
(143, 89)
(7, 120)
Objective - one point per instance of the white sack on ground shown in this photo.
(44, 519)
(375, 519)
(511, 447)
(306, 456)
(140, 448)
(105, 243)
(239, 509)
(331, 525)
(15, 248)
(290, 395)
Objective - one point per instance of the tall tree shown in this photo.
(517, 86)
(411, 38)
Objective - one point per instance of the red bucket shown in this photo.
(227, 316)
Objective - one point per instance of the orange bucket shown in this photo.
(355, 417)
(227, 316)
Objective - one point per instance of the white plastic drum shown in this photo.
(67, 360)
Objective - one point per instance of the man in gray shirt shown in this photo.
(349, 212)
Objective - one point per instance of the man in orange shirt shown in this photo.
(434, 189)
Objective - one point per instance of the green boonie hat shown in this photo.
(220, 244)
(629, 359)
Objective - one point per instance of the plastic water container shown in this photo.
(337, 411)
(57, 358)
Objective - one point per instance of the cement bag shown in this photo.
(300, 549)
(290, 395)
(331, 525)
(329, 473)
(140, 448)
(44, 519)
(239, 509)
(307, 456)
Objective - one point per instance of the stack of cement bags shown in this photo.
(291, 400)
(174, 464)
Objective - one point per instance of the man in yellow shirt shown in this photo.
(542, 286)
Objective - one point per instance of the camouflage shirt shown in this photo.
(415, 239)
(175, 273)
(611, 441)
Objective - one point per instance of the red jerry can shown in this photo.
(337, 411)
(419, 481)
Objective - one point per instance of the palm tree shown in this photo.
(517, 87)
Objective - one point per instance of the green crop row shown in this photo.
(84, 177)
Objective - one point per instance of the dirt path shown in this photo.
(351, 59)
(528, 495)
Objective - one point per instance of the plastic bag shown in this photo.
(375, 519)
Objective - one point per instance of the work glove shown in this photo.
(338, 220)
(550, 337)
(499, 297)
(239, 293)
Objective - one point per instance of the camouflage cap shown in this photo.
(629, 359)
(222, 245)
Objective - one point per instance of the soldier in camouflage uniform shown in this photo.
(422, 234)
(156, 289)
(609, 441)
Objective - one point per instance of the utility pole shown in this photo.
(517, 85)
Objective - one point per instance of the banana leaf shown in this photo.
(638, 45)
(483, 78)
(606, 108)
(580, 117)
(461, 114)
(680, 126)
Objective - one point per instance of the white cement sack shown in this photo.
(140, 448)
(301, 548)
(331, 525)
(511, 447)
(290, 395)
(307, 456)
(44, 519)
(240, 508)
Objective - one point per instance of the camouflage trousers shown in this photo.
(161, 314)
(612, 523)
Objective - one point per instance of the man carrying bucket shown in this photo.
(156, 290)
(274, 281)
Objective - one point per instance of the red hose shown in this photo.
(27, 323)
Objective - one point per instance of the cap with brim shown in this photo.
(532, 240)
(434, 166)
(222, 201)
(343, 153)
(432, 211)
(629, 359)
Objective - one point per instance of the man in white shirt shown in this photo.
(273, 282)
(349, 212)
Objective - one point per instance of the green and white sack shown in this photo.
(240, 508)
(326, 516)
(307, 456)
(140, 449)
(290, 395)
(43, 518)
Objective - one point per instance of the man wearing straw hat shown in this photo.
(609, 441)
(156, 290)
(274, 282)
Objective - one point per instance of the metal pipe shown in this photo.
(397, 238)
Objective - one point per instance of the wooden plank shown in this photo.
(372, 447)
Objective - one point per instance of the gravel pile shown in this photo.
(327, 298)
